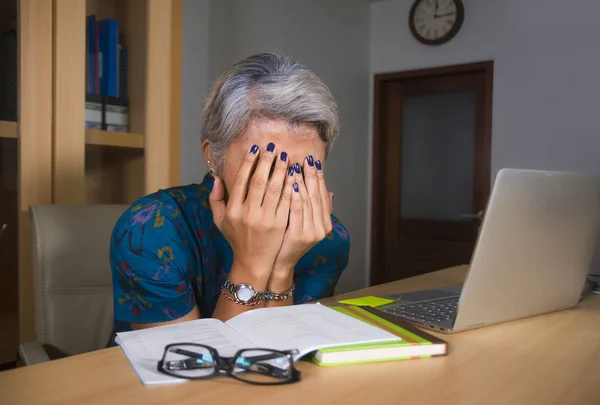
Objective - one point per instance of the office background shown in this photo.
(545, 93)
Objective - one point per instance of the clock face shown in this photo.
(434, 22)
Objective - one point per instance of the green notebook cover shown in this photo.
(411, 339)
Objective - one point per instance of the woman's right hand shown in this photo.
(255, 218)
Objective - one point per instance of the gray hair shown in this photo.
(268, 86)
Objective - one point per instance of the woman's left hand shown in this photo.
(309, 221)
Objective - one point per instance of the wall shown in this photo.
(546, 86)
(194, 85)
(331, 37)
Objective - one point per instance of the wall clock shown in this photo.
(434, 22)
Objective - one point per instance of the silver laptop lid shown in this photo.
(535, 248)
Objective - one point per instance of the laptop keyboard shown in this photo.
(437, 311)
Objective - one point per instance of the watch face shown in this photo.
(244, 292)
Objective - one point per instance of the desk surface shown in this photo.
(550, 359)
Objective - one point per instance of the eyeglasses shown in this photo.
(255, 366)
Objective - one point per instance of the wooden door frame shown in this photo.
(380, 143)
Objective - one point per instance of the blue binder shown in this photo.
(108, 38)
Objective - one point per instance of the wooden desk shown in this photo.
(551, 359)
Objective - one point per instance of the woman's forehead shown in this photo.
(279, 128)
(298, 141)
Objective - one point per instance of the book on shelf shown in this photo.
(106, 76)
(412, 342)
(8, 75)
(106, 58)
(106, 113)
(303, 327)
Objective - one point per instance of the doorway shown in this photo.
(431, 168)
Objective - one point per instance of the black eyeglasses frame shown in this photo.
(224, 366)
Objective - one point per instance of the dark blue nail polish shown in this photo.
(318, 164)
(270, 147)
(297, 168)
(291, 171)
(283, 156)
(254, 149)
(296, 187)
(310, 160)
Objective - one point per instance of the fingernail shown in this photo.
(310, 160)
(318, 164)
(297, 168)
(254, 149)
(283, 156)
(270, 147)
(296, 187)
(291, 171)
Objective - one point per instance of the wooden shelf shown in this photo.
(8, 129)
(117, 139)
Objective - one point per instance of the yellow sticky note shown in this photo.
(368, 301)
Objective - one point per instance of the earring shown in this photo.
(211, 171)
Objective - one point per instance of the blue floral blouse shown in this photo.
(167, 255)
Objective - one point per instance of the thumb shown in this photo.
(217, 201)
(331, 195)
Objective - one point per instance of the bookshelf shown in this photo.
(56, 158)
(88, 168)
(98, 137)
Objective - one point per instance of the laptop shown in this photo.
(533, 253)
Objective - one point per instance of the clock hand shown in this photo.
(443, 15)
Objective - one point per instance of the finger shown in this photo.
(216, 200)
(242, 177)
(275, 185)
(314, 192)
(326, 198)
(327, 220)
(260, 178)
(295, 210)
(283, 209)
(307, 212)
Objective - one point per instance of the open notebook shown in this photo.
(303, 327)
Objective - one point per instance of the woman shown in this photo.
(258, 230)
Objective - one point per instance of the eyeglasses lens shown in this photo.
(189, 361)
(262, 366)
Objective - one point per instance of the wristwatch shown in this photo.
(243, 293)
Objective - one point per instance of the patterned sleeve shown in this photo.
(150, 263)
(318, 272)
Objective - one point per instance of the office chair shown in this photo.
(73, 298)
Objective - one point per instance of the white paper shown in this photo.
(145, 347)
(306, 328)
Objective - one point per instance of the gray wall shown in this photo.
(546, 67)
(195, 71)
(331, 37)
